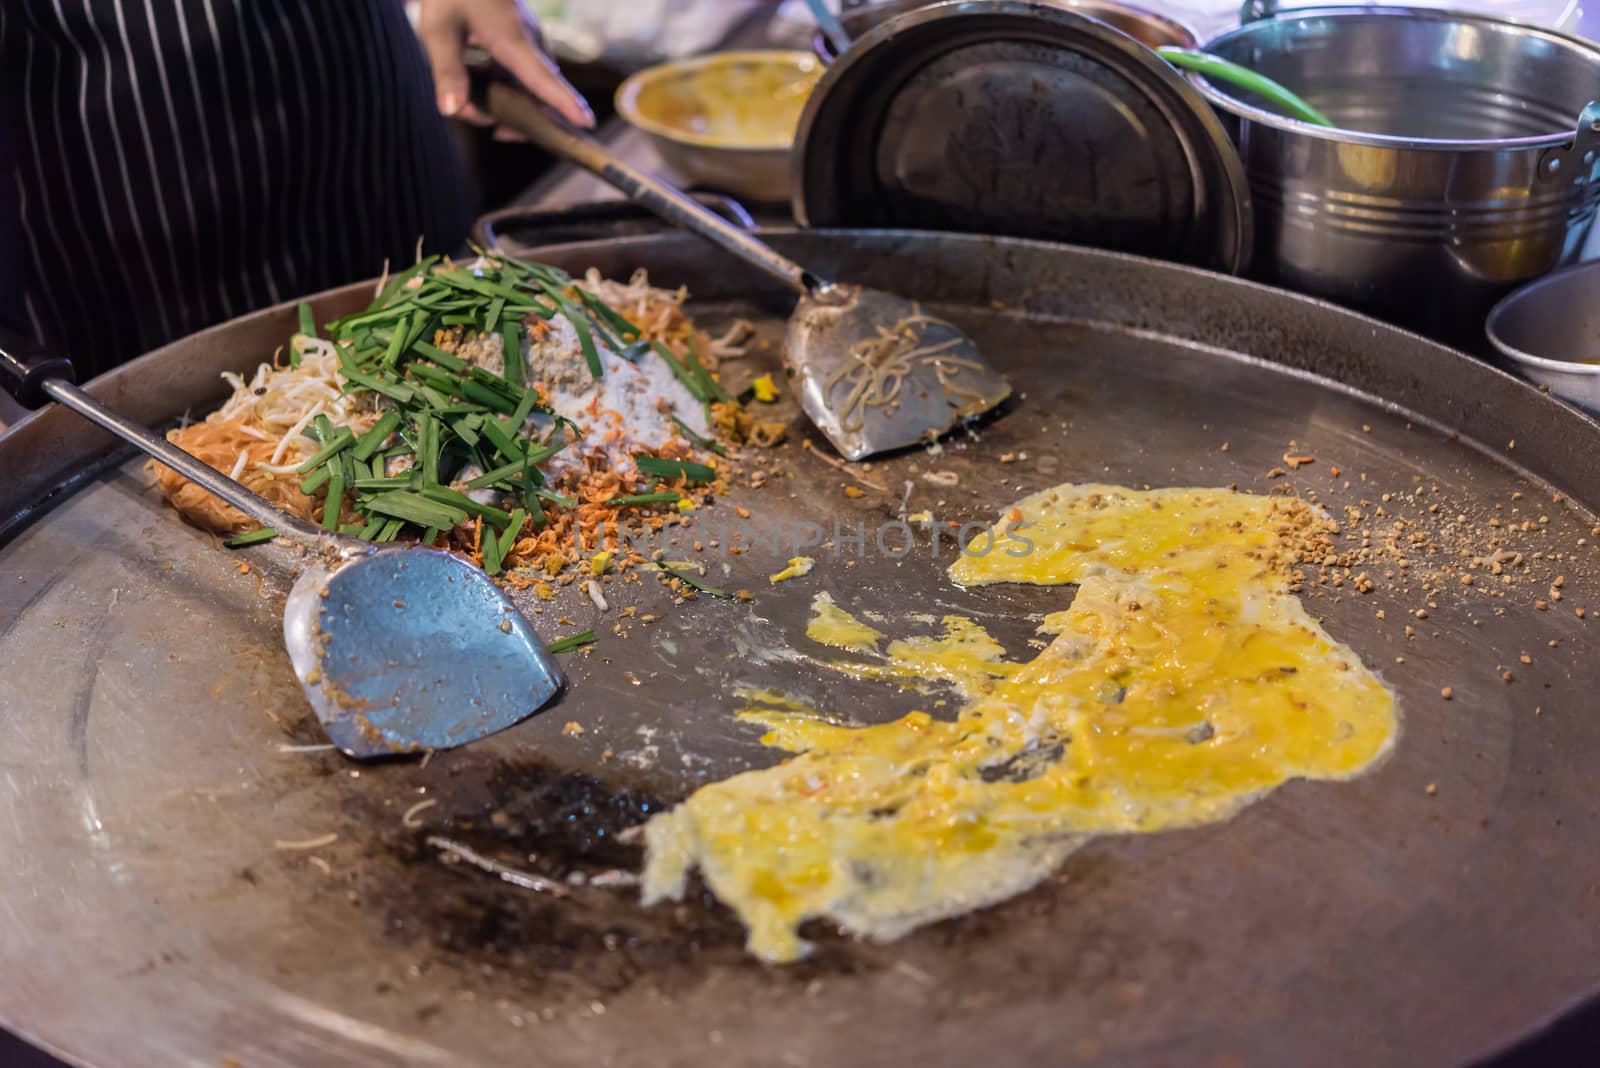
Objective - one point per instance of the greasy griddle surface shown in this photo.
(1370, 922)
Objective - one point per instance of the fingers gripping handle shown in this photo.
(512, 107)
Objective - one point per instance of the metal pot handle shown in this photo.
(1575, 161)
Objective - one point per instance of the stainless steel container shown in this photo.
(1549, 332)
(1454, 173)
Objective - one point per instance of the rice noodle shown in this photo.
(879, 366)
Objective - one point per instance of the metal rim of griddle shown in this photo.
(845, 131)
(1204, 312)
(49, 448)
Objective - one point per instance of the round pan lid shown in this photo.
(1023, 119)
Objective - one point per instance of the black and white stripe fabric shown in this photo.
(176, 163)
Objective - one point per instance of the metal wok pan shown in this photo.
(1375, 922)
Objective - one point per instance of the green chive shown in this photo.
(712, 387)
(689, 381)
(308, 325)
(398, 281)
(434, 398)
(352, 528)
(334, 506)
(374, 525)
(373, 439)
(439, 356)
(609, 316)
(389, 387)
(342, 439)
(443, 381)
(513, 531)
(316, 479)
(370, 484)
(682, 571)
(415, 508)
(503, 441)
(397, 343)
(464, 429)
(697, 439)
(419, 327)
(530, 497)
(591, 355)
(249, 538)
(452, 499)
(491, 553)
(533, 456)
(644, 498)
(390, 531)
(351, 325)
(660, 468)
(428, 440)
(511, 347)
(556, 498)
(513, 423)
(571, 642)
(486, 396)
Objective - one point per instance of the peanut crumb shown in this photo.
(1447, 693)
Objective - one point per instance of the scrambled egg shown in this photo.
(799, 567)
(1183, 682)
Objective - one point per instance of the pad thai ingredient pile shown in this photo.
(500, 409)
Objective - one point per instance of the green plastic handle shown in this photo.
(1242, 77)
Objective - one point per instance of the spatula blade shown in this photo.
(412, 649)
(877, 373)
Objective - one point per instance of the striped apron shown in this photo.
(168, 164)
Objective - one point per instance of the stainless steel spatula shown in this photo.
(875, 372)
(398, 649)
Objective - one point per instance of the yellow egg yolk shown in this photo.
(1183, 682)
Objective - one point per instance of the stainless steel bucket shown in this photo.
(1454, 174)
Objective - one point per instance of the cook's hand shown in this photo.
(508, 31)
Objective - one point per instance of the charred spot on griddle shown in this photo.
(1033, 761)
(590, 941)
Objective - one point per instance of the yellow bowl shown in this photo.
(726, 120)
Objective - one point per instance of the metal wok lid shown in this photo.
(1004, 117)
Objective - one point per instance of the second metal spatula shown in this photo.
(875, 372)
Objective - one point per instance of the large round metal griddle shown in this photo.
(146, 918)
